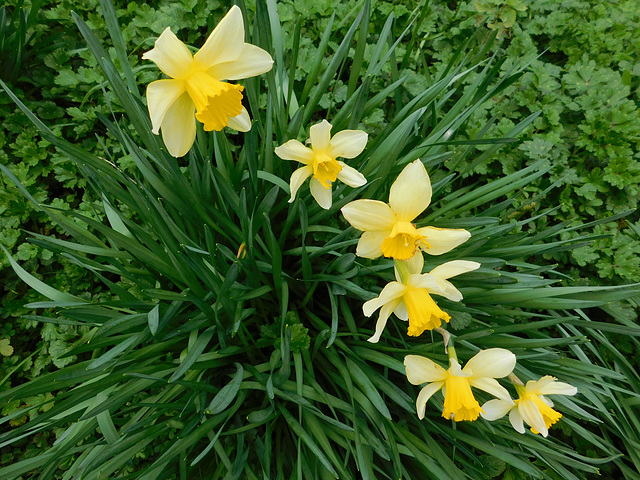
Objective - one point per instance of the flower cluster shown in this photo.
(198, 90)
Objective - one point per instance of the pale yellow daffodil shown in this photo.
(321, 161)
(408, 298)
(388, 229)
(532, 406)
(479, 372)
(196, 83)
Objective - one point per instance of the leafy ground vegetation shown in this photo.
(571, 98)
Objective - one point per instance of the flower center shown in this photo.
(424, 314)
(459, 402)
(403, 241)
(325, 169)
(216, 102)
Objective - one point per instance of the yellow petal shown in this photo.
(225, 42)
(531, 414)
(369, 244)
(161, 94)
(216, 102)
(369, 215)
(459, 402)
(442, 240)
(424, 313)
(351, 176)
(320, 134)
(170, 55)
(179, 126)
(242, 122)
(323, 195)
(297, 179)
(294, 150)
(326, 170)
(410, 194)
(252, 61)
(423, 370)
(491, 363)
(403, 241)
(347, 143)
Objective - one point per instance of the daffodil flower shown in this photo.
(532, 406)
(479, 372)
(388, 229)
(320, 161)
(196, 83)
(408, 298)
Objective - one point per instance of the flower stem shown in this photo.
(402, 269)
(448, 342)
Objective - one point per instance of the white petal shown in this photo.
(390, 292)
(416, 263)
(385, 311)
(161, 94)
(530, 413)
(516, 420)
(492, 387)
(425, 281)
(410, 194)
(454, 268)
(401, 311)
(170, 54)
(447, 290)
(548, 385)
(422, 370)
(297, 179)
(323, 196)
(492, 363)
(495, 409)
(369, 215)
(251, 62)
(370, 243)
(294, 150)
(442, 240)
(347, 143)
(424, 395)
(351, 176)
(179, 126)
(320, 134)
(242, 122)
(225, 42)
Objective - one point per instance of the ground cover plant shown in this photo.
(228, 322)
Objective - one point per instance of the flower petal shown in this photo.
(454, 268)
(530, 413)
(351, 176)
(516, 420)
(297, 179)
(423, 370)
(369, 245)
(425, 281)
(416, 263)
(294, 150)
(410, 194)
(322, 195)
(369, 215)
(242, 122)
(251, 62)
(170, 54)
(424, 395)
(495, 409)
(179, 126)
(161, 94)
(320, 134)
(492, 387)
(401, 311)
(390, 292)
(442, 240)
(347, 143)
(492, 363)
(548, 385)
(385, 311)
(225, 43)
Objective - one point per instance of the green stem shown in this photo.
(403, 270)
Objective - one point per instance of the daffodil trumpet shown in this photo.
(479, 372)
(196, 87)
(389, 229)
(409, 297)
(320, 162)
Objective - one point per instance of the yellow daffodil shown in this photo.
(408, 298)
(532, 406)
(479, 372)
(195, 84)
(388, 229)
(320, 161)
